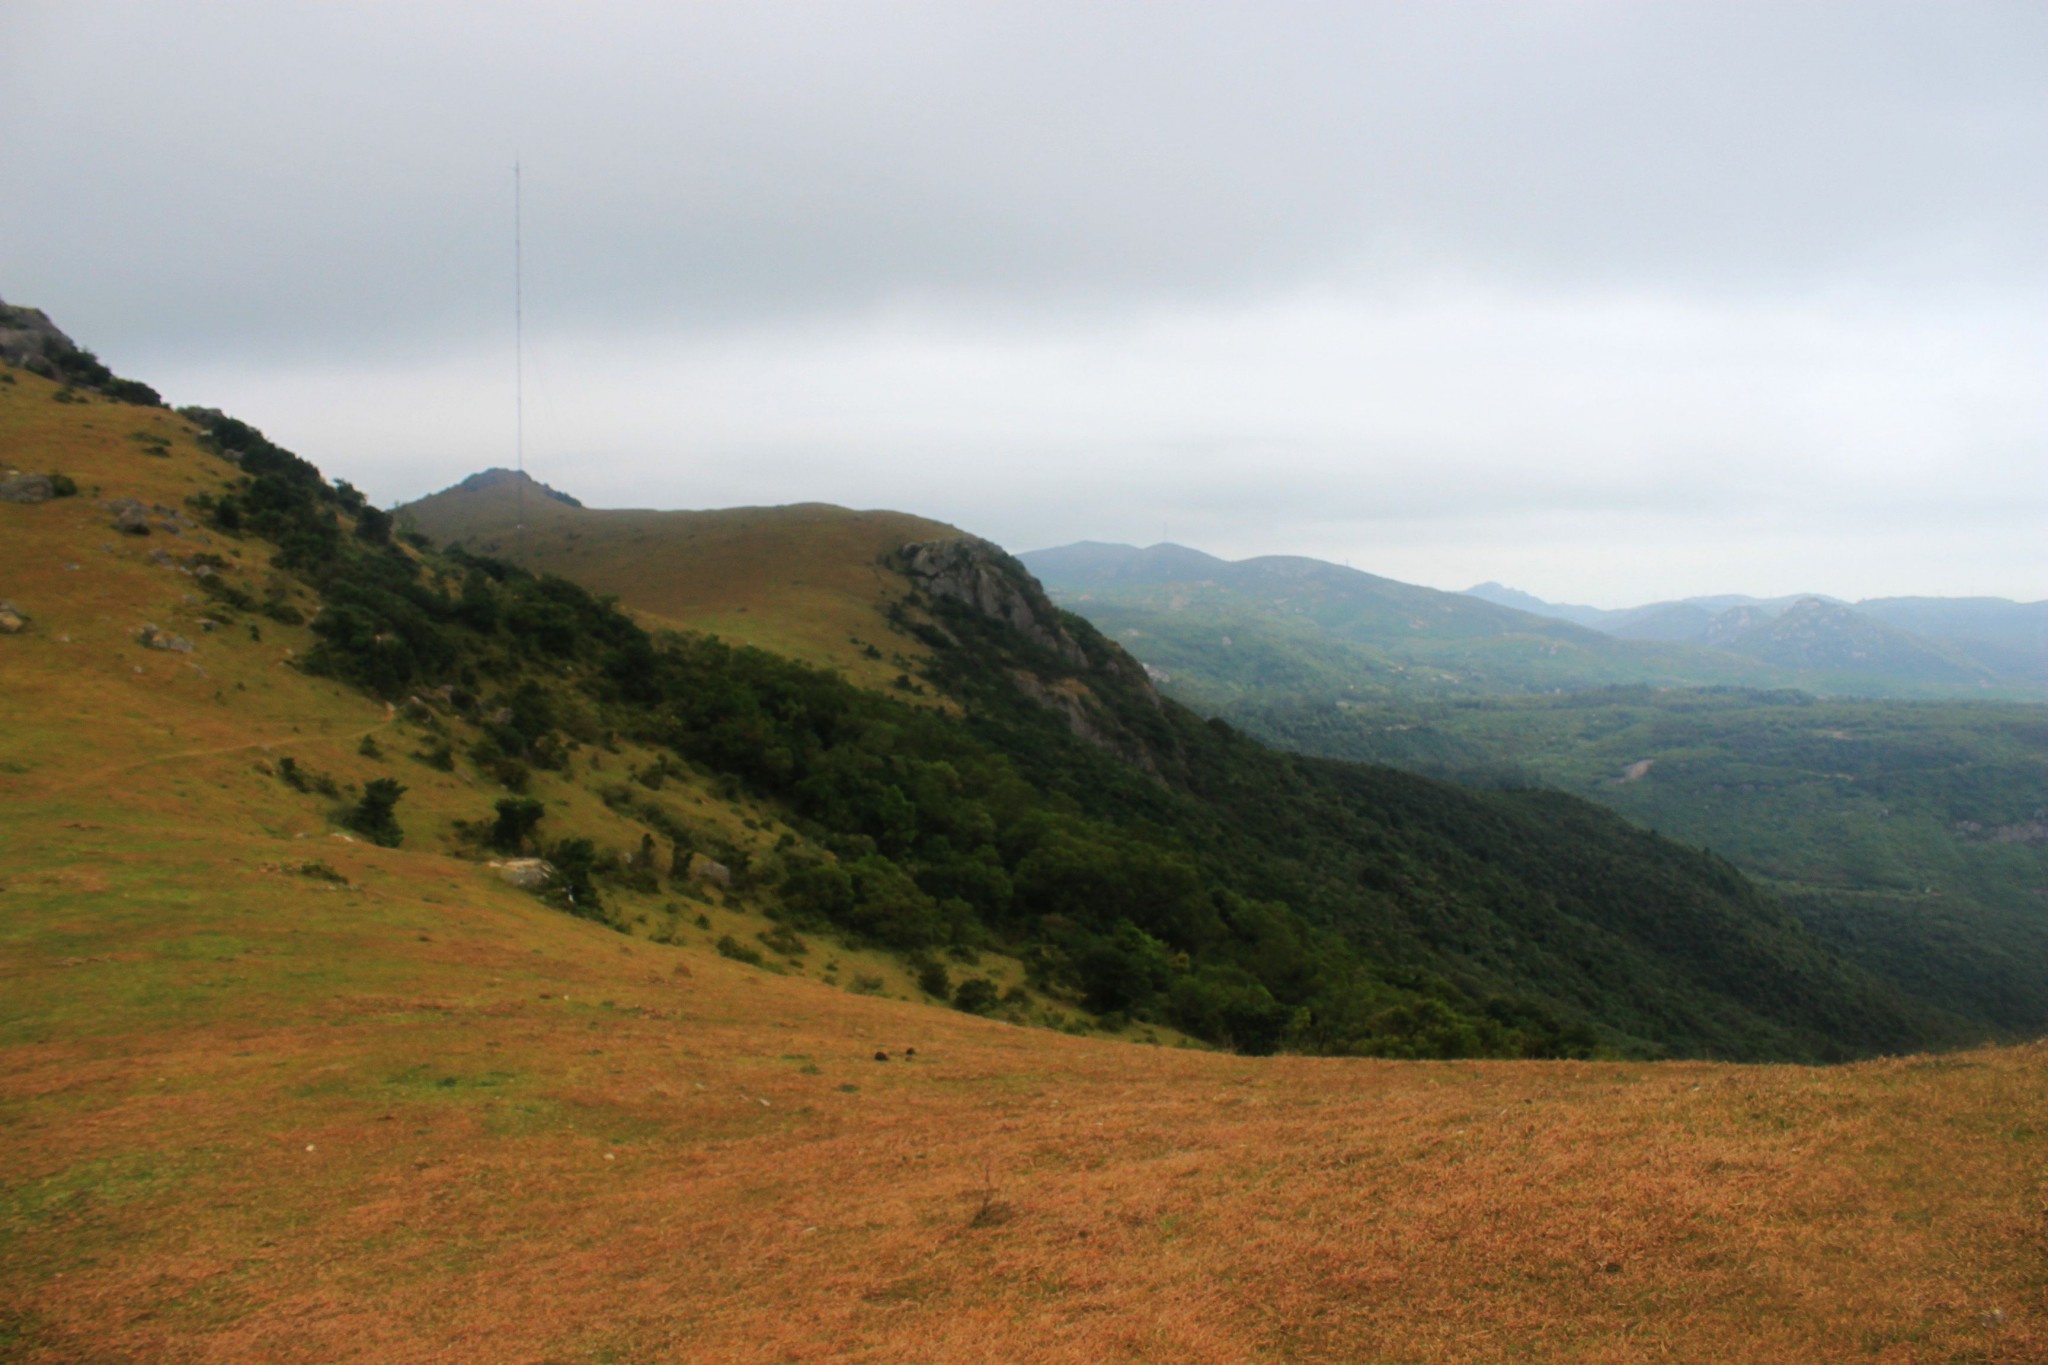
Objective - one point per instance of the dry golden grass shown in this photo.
(804, 580)
(250, 1115)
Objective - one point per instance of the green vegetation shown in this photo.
(375, 815)
(1912, 837)
(1172, 871)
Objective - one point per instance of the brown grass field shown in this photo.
(804, 580)
(249, 1115)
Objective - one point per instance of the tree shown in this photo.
(975, 996)
(932, 978)
(373, 816)
(517, 816)
(575, 862)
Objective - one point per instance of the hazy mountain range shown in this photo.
(1339, 628)
(2006, 636)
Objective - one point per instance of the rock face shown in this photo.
(528, 874)
(981, 575)
(27, 488)
(152, 638)
(985, 579)
(29, 339)
(703, 869)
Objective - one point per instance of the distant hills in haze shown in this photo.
(1945, 638)
(1226, 627)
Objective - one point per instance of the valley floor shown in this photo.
(247, 1116)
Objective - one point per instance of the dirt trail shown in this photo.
(101, 775)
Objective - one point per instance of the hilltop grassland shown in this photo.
(269, 1091)
(805, 581)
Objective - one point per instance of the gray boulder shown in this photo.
(703, 869)
(528, 874)
(152, 638)
(131, 518)
(28, 338)
(26, 488)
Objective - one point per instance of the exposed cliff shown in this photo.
(29, 339)
(1065, 665)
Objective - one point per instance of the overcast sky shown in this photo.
(1610, 302)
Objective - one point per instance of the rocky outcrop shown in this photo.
(29, 339)
(1077, 682)
(703, 869)
(528, 874)
(27, 488)
(153, 638)
(970, 570)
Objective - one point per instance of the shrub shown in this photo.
(373, 816)
(517, 816)
(63, 486)
(932, 978)
(728, 946)
(975, 996)
(575, 860)
(784, 940)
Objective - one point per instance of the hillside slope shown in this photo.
(806, 580)
(1911, 836)
(271, 1091)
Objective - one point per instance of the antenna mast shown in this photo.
(519, 356)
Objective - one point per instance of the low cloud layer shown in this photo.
(1607, 301)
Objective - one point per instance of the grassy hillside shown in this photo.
(246, 1116)
(270, 1091)
(804, 581)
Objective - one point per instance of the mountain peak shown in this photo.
(485, 481)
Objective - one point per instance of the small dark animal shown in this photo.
(908, 1053)
(881, 1056)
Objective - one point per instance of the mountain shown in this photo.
(1813, 635)
(1018, 788)
(806, 581)
(1858, 836)
(1222, 629)
(1954, 643)
(2009, 637)
(298, 1060)
(1672, 622)
(1503, 596)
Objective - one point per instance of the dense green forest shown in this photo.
(1162, 868)
(1910, 836)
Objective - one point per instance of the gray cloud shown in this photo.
(1053, 269)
